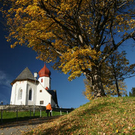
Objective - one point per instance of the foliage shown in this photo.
(114, 71)
(99, 117)
(117, 69)
(132, 93)
(110, 89)
(119, 66)
(74, 34)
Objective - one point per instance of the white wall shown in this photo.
(42, 95)
(15, 91)
(46, 82)
(33, 87)
(13, 94)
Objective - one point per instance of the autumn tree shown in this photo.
(132, 93)
(110, 89)
(73, 34)
(113, 72)
(120, 68)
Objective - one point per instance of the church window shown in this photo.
(40, 90)
(41, 102)
(30, 94)
(20, 94)
(41, 80)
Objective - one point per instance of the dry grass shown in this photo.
(104, 116)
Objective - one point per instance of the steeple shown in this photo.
(44, 77)
(44, 72)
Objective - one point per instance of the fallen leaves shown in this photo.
(103, 116)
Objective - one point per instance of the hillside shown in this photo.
(102, 116)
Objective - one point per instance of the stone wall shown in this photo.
(20, 107)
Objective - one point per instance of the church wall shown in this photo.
(18, 96)
(13, 95)
(43, 97)
(31, 100)
(45, 81)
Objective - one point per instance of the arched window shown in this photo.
(20, 94)
(30, 94)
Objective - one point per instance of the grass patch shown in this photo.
(103, 116)
(8, 116)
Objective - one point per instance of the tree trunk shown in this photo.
(116, 81)
(97, 83)
(117, 87)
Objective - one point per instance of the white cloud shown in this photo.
(4, 79)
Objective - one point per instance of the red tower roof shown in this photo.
(44, 72)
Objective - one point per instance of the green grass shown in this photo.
(103, 116)
(8, 116)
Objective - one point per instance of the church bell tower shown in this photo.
(44, 77)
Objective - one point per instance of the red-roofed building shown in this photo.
(26, 90)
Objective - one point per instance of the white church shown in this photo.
(27, 90)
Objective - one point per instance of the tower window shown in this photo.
(41, 80)
(30, 94)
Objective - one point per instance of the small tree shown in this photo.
(114, 71)
(110, 89)
(119, 68)
(132, 93)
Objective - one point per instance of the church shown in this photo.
(27, 90)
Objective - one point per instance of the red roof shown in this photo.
(44, 72)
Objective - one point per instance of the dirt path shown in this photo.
(19, 127)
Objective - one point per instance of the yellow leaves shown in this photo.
(15, 43)
(32, 10)
(124, 22)
(64, 6)
(117, 131)
(77, 59)
(12, 33)
(10, 10)
(11, 46)
(50, 29)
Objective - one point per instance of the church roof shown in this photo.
(24, 75)
(54, 95)
(44, 72)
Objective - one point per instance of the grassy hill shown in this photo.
(103, 116)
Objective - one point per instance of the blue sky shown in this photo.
(13, 61)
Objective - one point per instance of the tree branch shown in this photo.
(105, 56)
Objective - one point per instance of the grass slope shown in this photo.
(103, 116)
